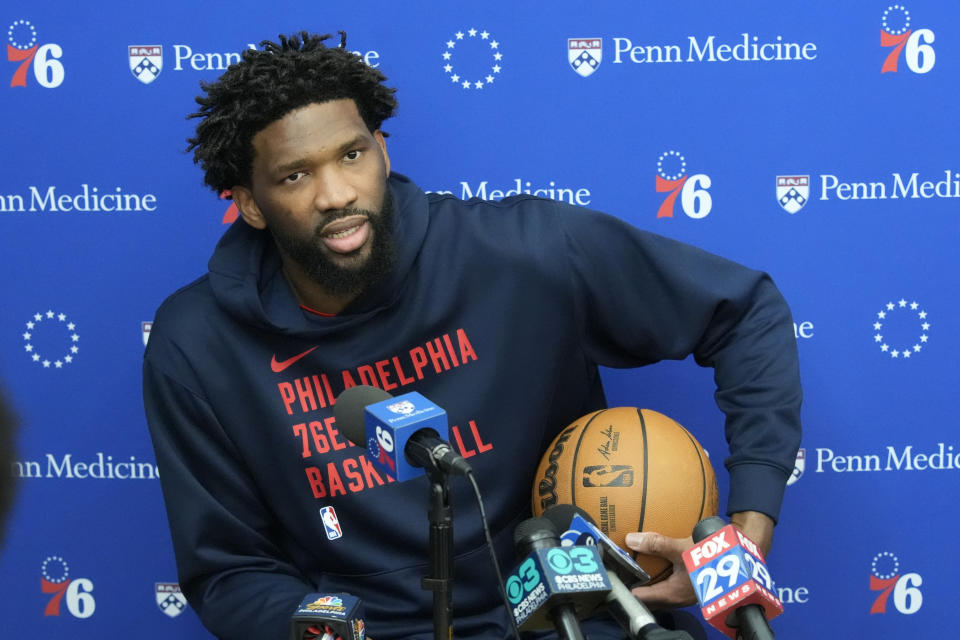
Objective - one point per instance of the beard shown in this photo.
(312, 256)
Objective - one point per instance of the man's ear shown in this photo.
(379, 137)
(249, 210)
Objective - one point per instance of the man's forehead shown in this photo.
(317, 126)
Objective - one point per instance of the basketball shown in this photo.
(631, 470)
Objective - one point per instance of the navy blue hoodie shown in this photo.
(500, 312)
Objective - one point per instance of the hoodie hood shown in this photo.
(247, 278)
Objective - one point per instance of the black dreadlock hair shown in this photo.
(267, 85)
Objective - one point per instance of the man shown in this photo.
(7, 480)
(342, 272)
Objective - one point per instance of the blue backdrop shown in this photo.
(814, 140)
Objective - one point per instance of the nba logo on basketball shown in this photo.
(330, 523)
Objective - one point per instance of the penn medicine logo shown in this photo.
(170, 600)
(793, 192)
(798, 467)
(672, 179)
(146, 61)
(584, 54)
(915, 46)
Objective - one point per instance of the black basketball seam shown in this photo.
(576, 453)
(703, 473)
(646, 469)
(663, 574)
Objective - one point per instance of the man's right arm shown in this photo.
(229, 568)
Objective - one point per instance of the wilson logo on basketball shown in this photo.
(547, 487)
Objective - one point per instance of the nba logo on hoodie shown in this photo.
(330, 523)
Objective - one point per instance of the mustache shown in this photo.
(332, 216)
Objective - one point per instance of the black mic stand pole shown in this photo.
(440, 580)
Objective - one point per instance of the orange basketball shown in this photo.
(631, 470)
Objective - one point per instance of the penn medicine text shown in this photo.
(748, 49)
(943, 458)
(899, 187)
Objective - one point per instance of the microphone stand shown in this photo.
(440, 579)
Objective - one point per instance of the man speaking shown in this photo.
(342, 272)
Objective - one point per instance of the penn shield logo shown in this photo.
(798, 467)
(672, 179)
(584, 54)
(901, 329)
(146, 326)
(146, 61)
(472, 59)
(793, 192)
(885, 577)
(170, 600)
(24, 48)
(51, 340)
(915, 46)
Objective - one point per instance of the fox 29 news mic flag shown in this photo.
(728, 573)
(334, 615)
(403, 434)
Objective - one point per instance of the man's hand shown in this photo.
(676, 590)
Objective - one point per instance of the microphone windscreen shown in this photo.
(562, 514)
(349, 407)
(708, 526)
(535, 533)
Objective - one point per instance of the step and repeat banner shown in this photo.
(814, 140)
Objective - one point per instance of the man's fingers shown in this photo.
(658, 545)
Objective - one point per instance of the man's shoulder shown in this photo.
(189, 300)
(184, 314)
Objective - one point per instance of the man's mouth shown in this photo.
(346, 235)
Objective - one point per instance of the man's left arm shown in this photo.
(645, 298)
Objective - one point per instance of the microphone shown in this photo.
(404, 435)
(732, 582)
(622, 571)
(328, 617)
(554, 585)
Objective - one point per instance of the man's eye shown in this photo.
(294, 177)
(352, 155)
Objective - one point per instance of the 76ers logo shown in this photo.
(915, 44)
(44, 59)
(672, 178)
(55, 580)
(886, 578)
